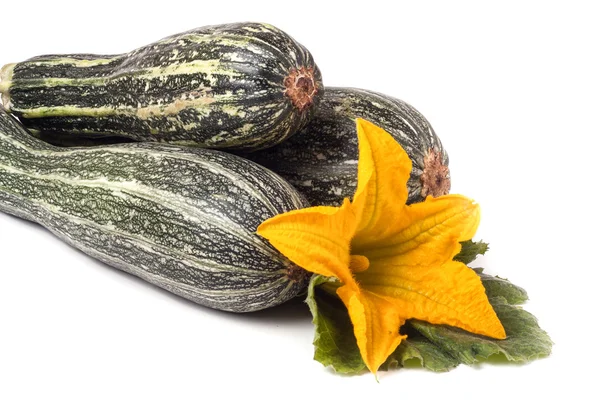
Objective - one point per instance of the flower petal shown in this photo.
(376, 324)
(449, 294)
(426, 233)
(383, 172)
(317, 238)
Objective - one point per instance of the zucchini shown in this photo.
(242, 86)
(321, 160)
(182, 219)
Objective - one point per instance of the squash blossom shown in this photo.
(393, 261)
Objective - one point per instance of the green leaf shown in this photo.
(435, 347)
(498, 287)
(427, 354)
(494, 286)
(525, 339)
(334, 341)
(470, 250)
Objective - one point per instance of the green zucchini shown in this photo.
(321, 160)
(243, 86)
(182, 219)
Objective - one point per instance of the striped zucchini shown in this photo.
(243, 86)
(181, 219)
(321, 160)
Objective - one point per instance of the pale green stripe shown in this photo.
(208, 67)
(53, 82)
(73, 61)
(71, 111)
(164, 109)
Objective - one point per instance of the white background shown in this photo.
(512, 89)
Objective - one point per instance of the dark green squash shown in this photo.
(182, 219)
(243, 86)
(321, 160)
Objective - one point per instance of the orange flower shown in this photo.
(393, 261)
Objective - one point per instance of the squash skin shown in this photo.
(321, 160)
(223, 86)
(181, 219)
